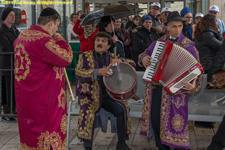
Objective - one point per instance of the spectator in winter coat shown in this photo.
(214, 10)
(143, 37)
(125, 36)
(187, 26)
(86, 35)
(208, 40)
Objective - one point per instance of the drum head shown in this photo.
(122, 80)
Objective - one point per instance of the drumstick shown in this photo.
(69, 87)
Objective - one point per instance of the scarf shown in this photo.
(88, 31)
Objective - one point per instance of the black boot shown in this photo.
(121, 145)
(88, 148)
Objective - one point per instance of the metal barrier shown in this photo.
(11, 83)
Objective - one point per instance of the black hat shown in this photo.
(49, 12)
(174, 16)
(6, 12)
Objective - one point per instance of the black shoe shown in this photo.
(122, 146)
(204, 124)
(88, 148)
(8, 119)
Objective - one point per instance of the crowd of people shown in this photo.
(41, 55)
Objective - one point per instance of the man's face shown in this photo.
(188, 18)
(10, 18)
(109, 27)
(147, 24)
(124, 19)
(175, 28)
(214, 13)
(101, 44)
(117, 23)
(197, 19)
(53, 27)
(136, 21)
(74, 19)
(155, 11)
(164, 16)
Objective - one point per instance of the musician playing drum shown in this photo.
(91, 68)
(168, 113)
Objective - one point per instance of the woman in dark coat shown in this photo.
(208, 40)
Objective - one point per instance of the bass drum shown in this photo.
(122, 84)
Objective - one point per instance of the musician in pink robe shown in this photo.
(167, 114)
(40, 57)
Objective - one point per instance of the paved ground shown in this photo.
(199, 138)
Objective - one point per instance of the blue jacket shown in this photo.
(221, 26)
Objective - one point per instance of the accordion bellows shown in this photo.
(171, 66)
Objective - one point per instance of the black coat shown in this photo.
(208, 46)
(142, 39)
(218, 62)
(118, 46)
(186, 31)
(7, 37)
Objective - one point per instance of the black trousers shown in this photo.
(119, 111)
(155, 115)
(6, 93)
(218, 140)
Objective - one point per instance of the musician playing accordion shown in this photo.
(167, 113)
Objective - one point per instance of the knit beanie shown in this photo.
(6, 12)
(184, 11)
(147, 18)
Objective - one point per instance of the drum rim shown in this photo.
(123, 92)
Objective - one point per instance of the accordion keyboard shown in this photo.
(149, 72)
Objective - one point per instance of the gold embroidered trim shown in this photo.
(178, 102)
(32, 35)
(46, 140)
(60, 52)
(62, 99)
(146, 110)
(181, 139)
(80, 71)
(178, 123)
(84, 101)
(22, 63)
(59, 72)
(63, 124)
(85, 88)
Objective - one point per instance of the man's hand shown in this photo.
(105, 71)
(56, 36)
(159, 28)
(146, 61)
(189, 86)
(114, 38)
(115, 62)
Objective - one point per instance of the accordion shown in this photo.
(171, 66)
